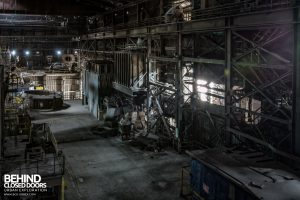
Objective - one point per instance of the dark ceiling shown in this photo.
(60, 7)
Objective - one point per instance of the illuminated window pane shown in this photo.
(201, 82)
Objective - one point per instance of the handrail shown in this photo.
(46, 167)
(207, 13)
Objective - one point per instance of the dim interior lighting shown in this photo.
(58, 52)
(13, 53)
(27, 53)
(37, 52)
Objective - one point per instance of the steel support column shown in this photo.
(227, 73)
(148, 80)
(179, 88)
(296, 97)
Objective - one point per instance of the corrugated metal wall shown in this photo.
(53, 83)
(69, 84)
(93, 92)
(71, 87)
(97, 80)
(123, 68)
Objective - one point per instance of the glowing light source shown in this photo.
(201, 82)
(202, 89)
(27, 53)
(58, 52)
(13, 53)
(203, 97)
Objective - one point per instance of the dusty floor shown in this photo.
(106, 168)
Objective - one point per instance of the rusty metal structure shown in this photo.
(225, 73)
(215, 72)
(202, 73)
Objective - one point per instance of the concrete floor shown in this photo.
(106, 168)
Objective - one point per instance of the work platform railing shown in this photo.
(224, 10)
(49, 166)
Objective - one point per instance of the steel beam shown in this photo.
(260, 91)
(179, 87)
(164, 59)
(262, 115)
(227, 73)
(122, 88)
(148, 63)
(204, 60)
(258, 141)
(265, 86)
(161, 113)
(247, 21)
(162, 86)
(275, 55)
(255, 46)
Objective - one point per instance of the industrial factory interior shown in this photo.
(150, 99)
